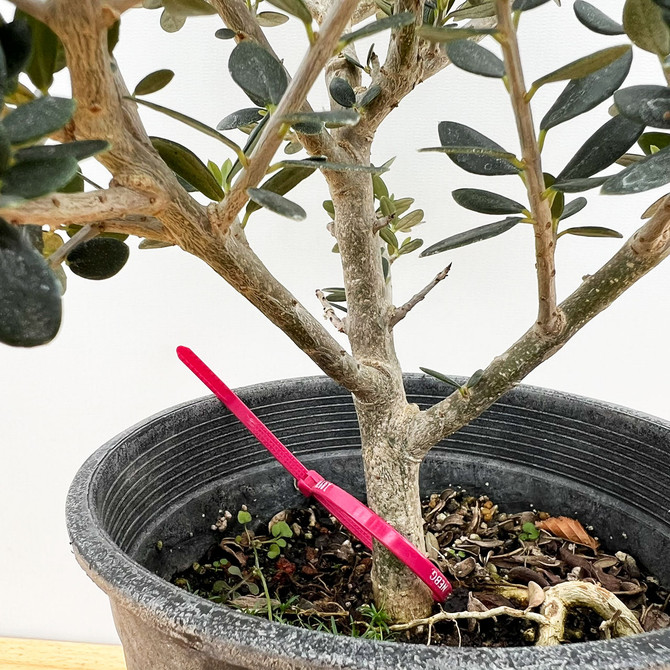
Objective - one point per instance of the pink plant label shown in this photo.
(353, 514)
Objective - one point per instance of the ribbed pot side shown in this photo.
(167, 478)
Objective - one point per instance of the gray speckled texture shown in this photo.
(167, 477)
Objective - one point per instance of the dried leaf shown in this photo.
(568, 529)
(535, 595)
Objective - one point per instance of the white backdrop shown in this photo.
(113, 362)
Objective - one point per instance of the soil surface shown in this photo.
(309, 571)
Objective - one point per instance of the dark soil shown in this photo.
(314, 573)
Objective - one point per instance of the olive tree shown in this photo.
(52, 222)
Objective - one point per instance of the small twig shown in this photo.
(329, 313)
(549, 317)
(309, 69)
(88, 232)
(382, 223)
(478, 616)
(401, 312)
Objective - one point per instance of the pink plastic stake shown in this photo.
(352, 513)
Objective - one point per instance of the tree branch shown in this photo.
(401, 312)
(92, 207)
(319, 8)
(102, 113)
(329, 313)
(548, 318)
(293, 98)
(36, 8)
(237, 16)
(88, 232)
(640, 254)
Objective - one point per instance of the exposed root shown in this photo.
(488, 614)
(618, 620)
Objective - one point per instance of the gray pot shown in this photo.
(166, 478)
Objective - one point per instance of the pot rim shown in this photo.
(207, 624)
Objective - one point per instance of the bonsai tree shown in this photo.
(51, 221)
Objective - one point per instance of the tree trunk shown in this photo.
(392, 483)
(391, 475)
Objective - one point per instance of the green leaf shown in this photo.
(457, 136)
(530, 530)
(445, 34)
(579, 185)
(113, 33)
(486, 202)
(649, 140)
(31, 179)
(189, 121)
(402, 204)
(603, 148)
(99, 258)
(474, 379)
(369, 95)
(408, 222)
(331, 119)
(79, 149)
(271, 19)
(47, 55)
(525, 5)
(389, 237)
(273, 551)
(474, 58)
(317, 162)
(651, 172)
(225, 34)
(184, 8)
(240, 118)
(440, 376)
(341, 92)
(30, 294)
(576, 205)
(590, 231)
(379, 187)
(277, 204)
(596, 20)
(216, 171)
(37, 119)
(479, 11)
(387, 23)
(296, 8)
(471, 236)
(585, 93)
(281, 529)
(583, 66)
(5, 149)
(243, 517)
(645, 104)
(644, 24)
(282, 182)
(154, 82)
(16, 43)
(171, 23)
(408, 246)
(258, 73)
(188, 166)
(147, 243)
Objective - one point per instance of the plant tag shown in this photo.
(353, 514)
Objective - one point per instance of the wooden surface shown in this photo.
(19, 654)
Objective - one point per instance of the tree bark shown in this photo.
(391, 472)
